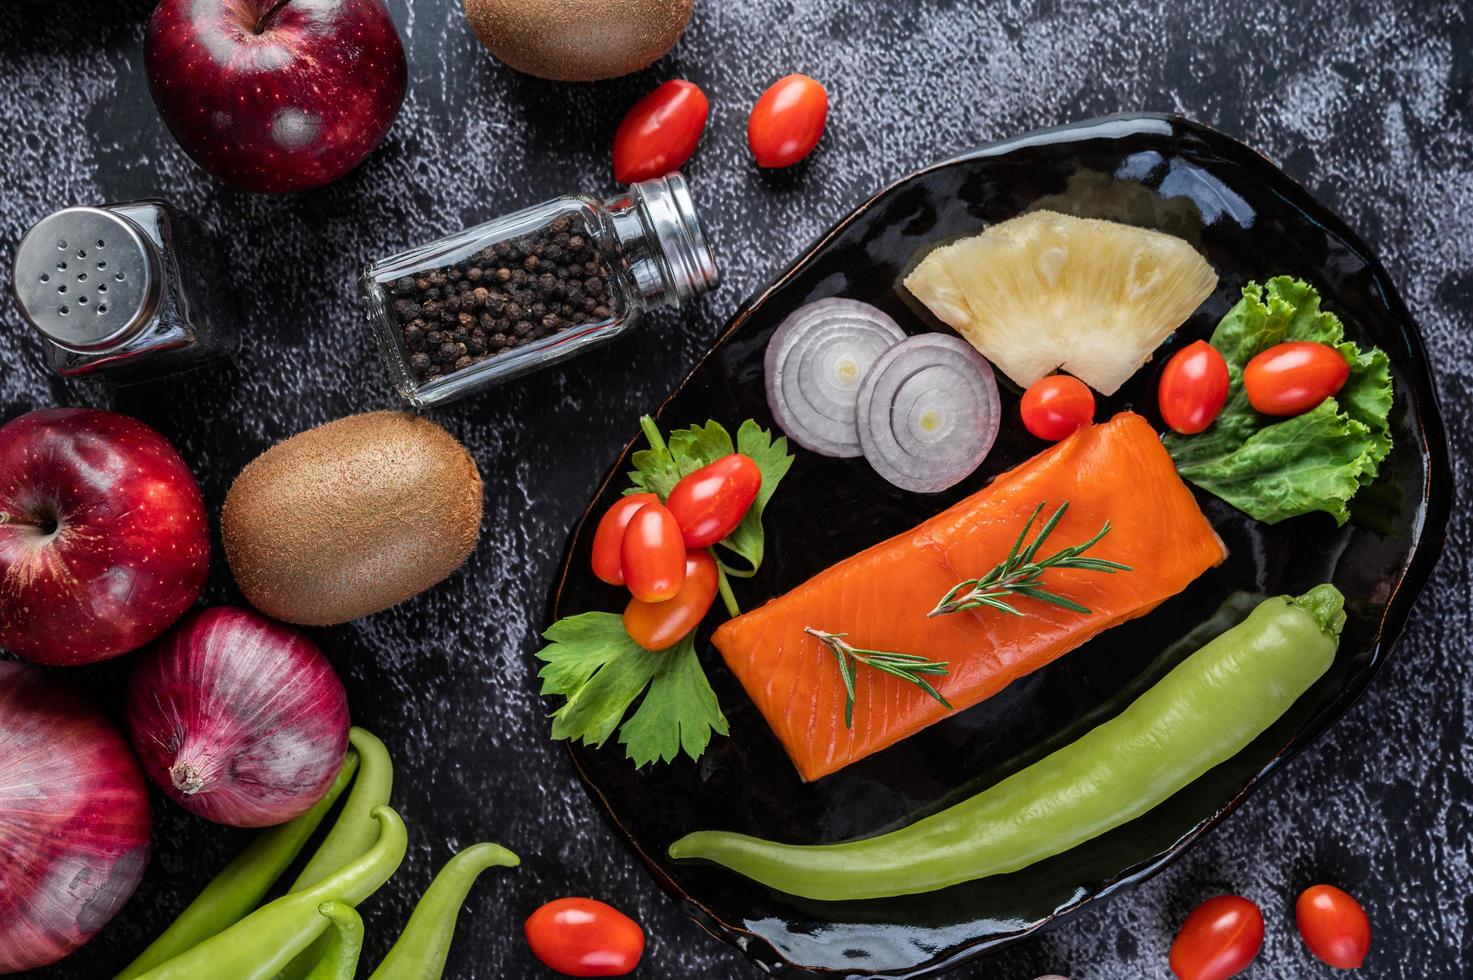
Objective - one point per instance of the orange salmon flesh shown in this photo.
(1116, 471)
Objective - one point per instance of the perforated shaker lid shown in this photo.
(87, 278)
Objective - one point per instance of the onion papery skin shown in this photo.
(238, 718)
(74, 820)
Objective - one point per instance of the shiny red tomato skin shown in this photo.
(787, 121)
(652, 554)
(1055, 406)
(660, 131)
(661, 625)
(608, 539)
(710, 502)
(1218, 940)
(583, 937)
(1293, 377)
(1193, 389)
(1334, 926)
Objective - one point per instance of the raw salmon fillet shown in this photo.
(1115, 471)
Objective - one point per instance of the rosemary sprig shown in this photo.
(1020, 574)
(906, 666)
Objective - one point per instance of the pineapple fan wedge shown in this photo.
(1045, 291)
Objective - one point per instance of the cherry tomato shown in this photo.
(1053, 407)
(1218, 940)
(583, 937)
(709, 503)
(1294, 376)
(1193, 389)
(652, 554)
(1334, 926)
(609, 538)
(660, 131)
(787, 121)
(660, 625)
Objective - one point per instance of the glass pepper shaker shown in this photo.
(130, 290)
(533, 287)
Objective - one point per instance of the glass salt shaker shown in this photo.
(129, 290)
(533, 287)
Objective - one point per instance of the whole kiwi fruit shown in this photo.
(351, 517)
(578, 40)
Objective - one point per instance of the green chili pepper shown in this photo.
(236, 891)
(340, 962)
(422, 947)
(352, 834)
(355, 830)
(1202, 713)
(264, 942)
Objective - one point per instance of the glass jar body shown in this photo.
(531, 288)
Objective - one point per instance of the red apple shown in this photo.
(275, 95)
(103, 536)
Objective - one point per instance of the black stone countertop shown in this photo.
(1367, 104)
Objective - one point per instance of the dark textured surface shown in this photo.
(1370, 110)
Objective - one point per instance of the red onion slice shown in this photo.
(815, 363)
(928, 413)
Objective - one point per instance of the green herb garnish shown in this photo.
(906, 666)
(1020, 574)
(658, 468)
(1273, 469)
(592, 662)
(590, 659)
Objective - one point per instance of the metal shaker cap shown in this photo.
(669, 211)
(88, 278)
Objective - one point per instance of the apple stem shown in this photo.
(266, 17)
(6, 518)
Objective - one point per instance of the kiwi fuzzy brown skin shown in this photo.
(578, 40)
(351, 517)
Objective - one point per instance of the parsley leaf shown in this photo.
(658, 468)
(773, 459)
(592, 662)
(679, 711)
(1272, 469)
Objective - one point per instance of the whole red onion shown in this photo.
(238, 718)
(74, 820)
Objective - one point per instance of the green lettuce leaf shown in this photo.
(1275, 469)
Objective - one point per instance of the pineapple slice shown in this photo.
(1045, 290)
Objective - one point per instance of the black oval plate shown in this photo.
(1251, 221)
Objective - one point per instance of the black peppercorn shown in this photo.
(539, 285)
